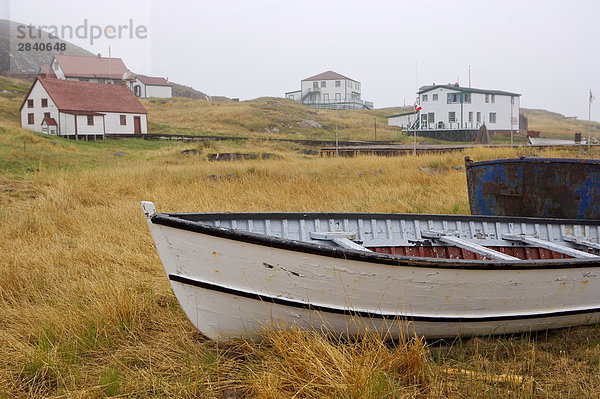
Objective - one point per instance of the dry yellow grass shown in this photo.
(555, 125)
(86, 311)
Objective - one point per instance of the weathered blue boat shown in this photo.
(535, 187)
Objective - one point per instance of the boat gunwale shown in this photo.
(469, 163)
(174, 220)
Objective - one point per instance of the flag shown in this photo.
(417, 108)
(592, 98)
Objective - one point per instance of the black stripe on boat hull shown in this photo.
(366, 314)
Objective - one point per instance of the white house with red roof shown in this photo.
(106, 70)
(82, 110)
(330, 90)
(91, 69)
(150, 86)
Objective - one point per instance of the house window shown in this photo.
(479, 117)
(493, 98)
(338, 83)
(358, 86)
(467, 98)
(453, 98)
(123, 120)
(470, 116)
(512, 99)
(338, 97)
(323, 84)
(315, 85)
(326, 97)
(434, 97)
(46, 115)
(431, 117)
(451, 116)
(44, 102)
(424, 97)
(30, 103)
(487, 98)
(492, 117)
(289, 95)
(30, 119)
(90, 120)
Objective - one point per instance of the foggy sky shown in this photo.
(547, 51)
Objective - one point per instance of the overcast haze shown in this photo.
(545, 50)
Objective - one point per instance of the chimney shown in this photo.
(99, 55)
(456, 84)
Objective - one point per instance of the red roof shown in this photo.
(47, 70)
(49, 122)
(153, 81)
(87, 97)
(329, 75)
(92, 67)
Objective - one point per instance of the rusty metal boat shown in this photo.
(535, 187)
(430, 275)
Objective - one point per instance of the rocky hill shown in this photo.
(26, 65)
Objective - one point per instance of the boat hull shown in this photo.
(231, 288)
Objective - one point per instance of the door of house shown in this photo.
(137, 125)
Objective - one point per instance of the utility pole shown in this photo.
(337, 154)
(375, 121)
(469, 76)
(512, 103)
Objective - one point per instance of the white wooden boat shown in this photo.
(432, 275)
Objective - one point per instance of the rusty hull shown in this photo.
(535, 187)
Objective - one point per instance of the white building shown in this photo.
(106, 70)
(149, 86)
(404, 120)
(330, 90)
(91, 69)
(82, 110)
(451, 112)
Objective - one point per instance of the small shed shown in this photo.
(49, 126)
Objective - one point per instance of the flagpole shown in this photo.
(590, 121)
(415, 134)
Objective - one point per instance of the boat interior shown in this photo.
(432, 236)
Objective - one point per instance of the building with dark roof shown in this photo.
(330, 90)
(82, 109)
(452, 112)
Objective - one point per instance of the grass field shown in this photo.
(86, 310)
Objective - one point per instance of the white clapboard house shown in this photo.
(82, 110)
(91, 69)
(150, 86)
(455, 113)
(100, 69)
(330, 90)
